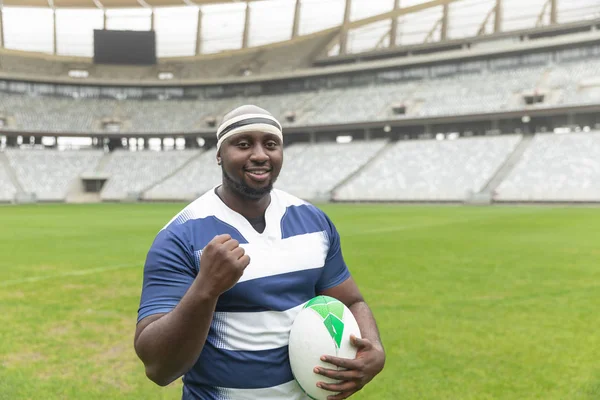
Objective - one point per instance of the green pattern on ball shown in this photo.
(332, 312)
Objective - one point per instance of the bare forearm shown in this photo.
(366, 322)
(170, 345)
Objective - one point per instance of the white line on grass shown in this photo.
(70, 273)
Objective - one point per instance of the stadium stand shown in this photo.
(354, 104)
(465, 94)
(50, 173)
(195, 178)
(528, 81)
(429, 170)
(312, 171)
(131, 173)
(556, 168)
(575, 83)
(7, 189)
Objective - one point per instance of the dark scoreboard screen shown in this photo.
(124, 47)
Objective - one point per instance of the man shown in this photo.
(225, 278)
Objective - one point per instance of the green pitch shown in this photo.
(472, 303)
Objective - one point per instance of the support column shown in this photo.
(191, 142)
(344, 30)
(553, 12)
(498, 17)
(11, 141)
(312, 137)
(367, 134)
(296, 26)
(152, 20)
(104, 19)
(114, 144)
(394, 28)
(1, 27)
(246, 27)
(199, 32)
(444, 31)
(54, 43)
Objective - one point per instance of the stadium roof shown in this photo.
(111, 3)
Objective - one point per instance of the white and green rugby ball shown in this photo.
(322, 327)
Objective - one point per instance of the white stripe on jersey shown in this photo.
(244, 331)
(281, 256)
(288, 391)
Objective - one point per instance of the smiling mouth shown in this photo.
(258, 174)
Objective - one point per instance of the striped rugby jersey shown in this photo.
(297, 256)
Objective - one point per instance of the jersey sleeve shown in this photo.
(168, 273)
(335, 270)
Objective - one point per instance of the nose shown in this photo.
(259, 155)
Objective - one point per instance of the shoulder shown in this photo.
(301, 216)
(203, 207)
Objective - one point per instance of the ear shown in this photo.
(218, 157)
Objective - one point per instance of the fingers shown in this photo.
(341, 375)
(345, 363)
(231, 244)
(240, 255)
(244, 260)
(229, 247)
(339, 387)
(238, 252)
(221, 238)
(361, 343)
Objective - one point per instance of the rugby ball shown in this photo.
(322, 327)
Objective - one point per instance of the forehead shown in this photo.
(253, 135)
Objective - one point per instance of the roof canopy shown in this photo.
(111, 3)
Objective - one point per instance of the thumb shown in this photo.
(359, 342)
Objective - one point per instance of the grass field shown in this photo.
(472, 303)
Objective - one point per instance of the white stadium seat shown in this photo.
(7, 189)
(49, 174)
(195, 178)
(134, 172)
(556, 168)
(430, 170)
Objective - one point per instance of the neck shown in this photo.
(248, 207)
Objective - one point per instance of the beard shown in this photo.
(244, 190)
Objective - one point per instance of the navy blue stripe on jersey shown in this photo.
(191, 392)
(201, 231)
(168, 273)
(299, 220)
(271, 293)
(240, 369)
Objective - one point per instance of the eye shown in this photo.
(243, 144)
(271, 144)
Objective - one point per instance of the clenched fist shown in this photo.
(222, 264)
